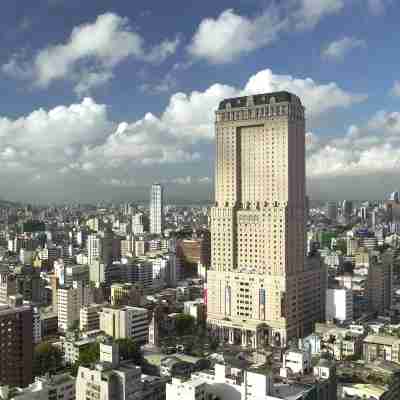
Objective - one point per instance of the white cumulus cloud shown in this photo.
(231, 35)
(89, 55)
(310, 12)
(73, 147)
(338, 49)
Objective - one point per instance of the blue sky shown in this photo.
(102, 98)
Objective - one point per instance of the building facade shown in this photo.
(259, 277)
(16, 345)
(156, 209)
(339, 305)
(125, 322)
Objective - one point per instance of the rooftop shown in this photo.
(258, 99)
(385, 340)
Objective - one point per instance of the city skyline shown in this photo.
(79, 132)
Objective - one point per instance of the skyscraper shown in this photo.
(332, 209)
(156, 209)
(347, 211)
(257, 284)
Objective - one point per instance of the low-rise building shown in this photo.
(72, 348)
(111, 379)
(340, 343)
(382, 348)
(56, 387)
(226, 382)
(125, 322)
(196, 308)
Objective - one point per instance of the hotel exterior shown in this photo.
(262, 289)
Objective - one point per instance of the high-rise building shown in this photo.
(89, 317)
(69, 302)
(332, 210)
(347, 211)
(261, 288)
(8, 286)
(339, 305)
(16, 344)
(93, 245)
(380, 282)
(156, 209)
(140, 223)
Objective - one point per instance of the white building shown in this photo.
(69, 302)
(296, 362)
(156, 209)
(225, 382)
(112, 380)
(72, 348)
(37, 326)
(60, 387)
(138, 223)
(339, 305)
(97, 272)
(93, 246)
(196, 309)
(125, 322)
(89, 319)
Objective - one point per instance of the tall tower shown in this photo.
(156, 209)
(256, 283)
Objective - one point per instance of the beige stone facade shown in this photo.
(257, 288)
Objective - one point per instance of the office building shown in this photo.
(259, 284)
(332, 209)
(16, 345)
(93, 248)
(128, 294)
(111, 379)
(227, 382)
(339, 305)
(125, 322)
(8, 286)
(347, 211)
(156, 209)
(97, 272)
(55, 387)
(380, 282)
(78, 273)
(128, 246)
(140, 224)
(37, 325)
(69, 302)
(89, 319)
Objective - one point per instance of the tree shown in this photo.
(87, 356)
(46, 359)
(185, 324)
(130, 350)
(90, 354)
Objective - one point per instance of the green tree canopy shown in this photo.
(46, 359)
(185, 324)
(89, 354)
(130, 350)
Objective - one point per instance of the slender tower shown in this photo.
(156, 209)
(256, 283)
